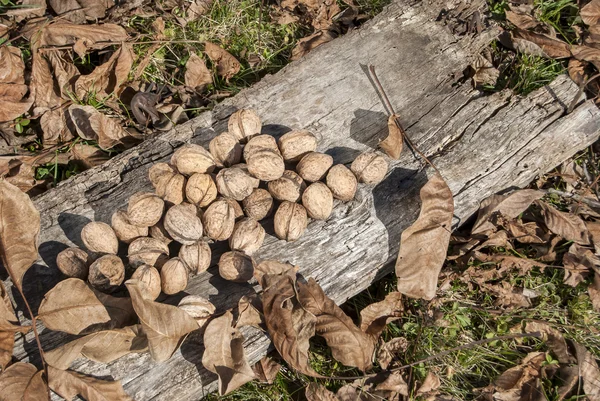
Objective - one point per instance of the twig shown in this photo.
(579, 198)
(134, 42)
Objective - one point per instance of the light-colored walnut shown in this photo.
(107, 273)
(259, 204)
(248, 235)
(313, 166)
(190, 159)
(370, 168)
(318, 201)
(167, 183)
(342, 182)
(125, 231)
(294, 145)
(235, 182)
(237, 208)
(149, 251)
(290, 221)
(201, 190)
(183, 224)
(287, 188)
(100, 238)
(74, 262)
(196, 256)
(266, 165)
(225, 149)
(150, 278)
(197, 307)
(219, 220)
(236, 266)
(173, 276)
(244, 124)
(258, 143)
(145, 209)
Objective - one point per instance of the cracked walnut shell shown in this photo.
(235, 182)
(107, 273)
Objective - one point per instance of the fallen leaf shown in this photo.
(590, 13)
(120, 310)
(387, 352)
(430, 384)
(593, 228)
(424, 244)
(349, 345)
(578, 262)
(88, 156)
(22, 381)
(249, 313)
(77, 11)
(8, 319)
(586, 53)
(227, 65)
(65, 73)
(108, 78)
(197, 8)
(510, 206)
(555, 340)
(12, 68)
(589, 372)
(69, 384)
(392, 144)
(569, 377)
(576, 69)
(27, 9)
(10, 110)
(525, 233)
(92, 125)
(197, 307)
(317, 392)
(311, 42)
(594, 292)
(19, 231)
(55, 129)
(522, 16)
(374, 317)
(266, 370)
(268, 272)
(393, 386)
(42, 83)
(224, 354)
(7, 344)
(485, 72)
(197, 75)
(356, 392)
(508, 262)
(166, 326)
(509, 296)
(552, 47)
(90, 36)
(522, 382)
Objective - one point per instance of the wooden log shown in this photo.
(481, 143)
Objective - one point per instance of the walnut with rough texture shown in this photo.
(124, 230)
(74, 262)
(190, 159)
(150, 279)
(173, 276)
(287, 188)
(318, 201)
(183, 224)
(107, 273)
(290, 221)
(201, 190)
(258, 143)
(313, 166)
(197, 307)
(99, 237)
(148, 251)
(167, 183)
(248, 235)
(342, 182)
(236, 266)
(237, 209)
(225, 149)
(145, 209)
(294, 145)
(266, 165)
(235, 182)
(259, 204)
(219, 220)
(244, 124)
(370, 168)
(196, 256)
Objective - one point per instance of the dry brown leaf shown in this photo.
(224, 354)
(578, 262)
(64, 72)
(356, 392)
(311, 42)
(69, 384)
(12, 68)
(42, 83)
(77, 11)
(317, 392)
(508, 263)
(576, 69)
(374, 317)
(249, 314)
(55, 129)
(107, 79)
(22, 381)
(567, 225)
(509, 296)
(430, 384)
(387, 352)
(349, 345)
(485, 72)
(555, 340)
(392, 144)
(197, 8)
(423, 245)
(266, 370)
(9, 110)
(393, 386)
(27, 9)
(587, 53)
(589, 372)
(197, 75)
(522, 16)
(7, 343)
(92, 125)
(594, 292)
(166, 326)
(510, 206)
(19, 231)
(268, 272)
(522, 382)
(86, 36)
(552, 47)
(87, 155)
(8, 319)
(593, 228)
(526, 233)
(590, 13)
(120, 310)
(227, 65)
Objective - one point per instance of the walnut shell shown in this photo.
(287, 188)
(191, 158)
(244, 124)
(370, 168)
(145, 209)
(237, 209)
(124, 230)
(183, 224)
(225, 149)
(259, 204)
(197, 307)
(258, 143)
(168, 184)
(74, 262)
(248, 235)
(99, 237)
(148, 251)
(201, 190)
(235, 182)
(236, 266)
(219, 220)
(150, 279)
(196, 256)
(294, 145)
(313, 166)
(107, 273)
(159, 232)
(342, 182)
(318, 201)
(290, 221)
(266, 165)
(173, 276)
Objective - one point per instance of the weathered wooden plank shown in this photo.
(481, 144)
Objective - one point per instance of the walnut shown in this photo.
(191, 158)
(313, 166)
(173, 276)
(74, 262)
(219, 220)
(370, 168)
(287, 188)
(150, 278)
(201, 190)
(248, 235)
(342, 182)
(99, 237)
(290, 221)
(318, 201)
(197, 307)
(225, 149)
(266, 165)
(159, 232)
(107, 273)
(259, 204)
(145, 209)
(183, 224)
(149, 251)
(196, 256)
(235, 182)
(244, 124)
(236, 266)
(124, 230)
(168, 184)
(294, 145)
(258, 143)
(237, 209)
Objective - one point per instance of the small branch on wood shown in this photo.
(579, 198)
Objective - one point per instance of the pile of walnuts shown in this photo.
(196, 202)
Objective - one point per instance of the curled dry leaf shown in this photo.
(509, 206)
(590, 13)
(19, 231)
(266, 370)
(197, 75)
(12, 67)
(166, 326)
(430, 384)
(69, 384)
(317, 392)
(108, 78)
(311, 42)
(424, 244)
(589, 372)
(7, 344)
(22, 381)
(578, 263)
(77, 11)
(54, 126)
(485, 72)
(552, 47)
(227, 65)
(86, 36)
(224, 354)
(392, 144)
(376, 316)
(249, 312)
(554, 338)
(568, 226)
(92, 125)
(387, 352)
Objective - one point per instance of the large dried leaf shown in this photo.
(388, 351)
(349, 345)
(166, 326)
(392, 144)
(69, 384)
(317, 392)
(311, 42)
(8, 319)
(9, 110)
(555, 340)
(553, 47)
(423, 245)
(510, 206)
(23, 382)
(376, 316)
(71, 306)
(290, 326)
(65, 73)
(578, 262)
(88, 156)
(12, 67)
(567, 225)
(227, 65)
(197, 75)
(224, 354)
(108, 78)
(92, 35)
(104, 346)
(266, 370)
(92, 125)
(587, 53)
(520, 382)
(590, 13)
(42, 83)
(430, 384)
(7, 343)
(27, 9)
(55, 129)
(522, 16)
(19, 231)
(589, 372)
(77, 11)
